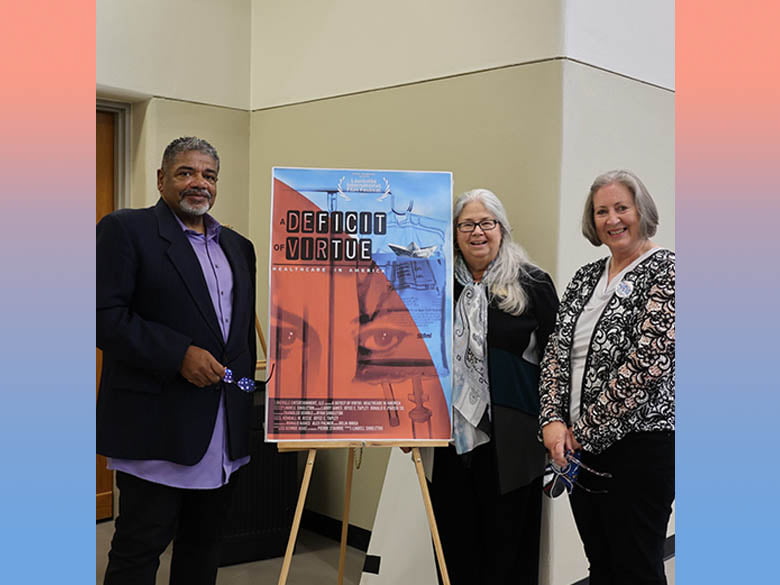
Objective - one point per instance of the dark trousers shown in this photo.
(623, 531)
(150, 516)
(487, 537)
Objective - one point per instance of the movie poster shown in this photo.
(360, 308)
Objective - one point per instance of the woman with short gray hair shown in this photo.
(607, 390)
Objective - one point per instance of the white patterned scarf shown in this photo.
(470, 391)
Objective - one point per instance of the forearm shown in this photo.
(551, 395)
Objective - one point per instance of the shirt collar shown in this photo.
(213, 227)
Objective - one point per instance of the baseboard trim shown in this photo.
(331, 528)
(669, 547)
(359, 538)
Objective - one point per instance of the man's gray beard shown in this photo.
(193, 210)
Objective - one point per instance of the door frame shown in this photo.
(122, 175)
(121, 196)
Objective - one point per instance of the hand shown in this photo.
(201, 368)
(556, 438)
(571, 442)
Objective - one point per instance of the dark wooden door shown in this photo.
(104, 204)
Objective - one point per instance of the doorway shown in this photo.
(111, 131)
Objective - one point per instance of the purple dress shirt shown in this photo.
(215, 468)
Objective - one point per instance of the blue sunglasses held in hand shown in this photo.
(558, 479)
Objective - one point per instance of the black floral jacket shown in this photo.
(628, 383)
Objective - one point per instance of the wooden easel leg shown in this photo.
(431, 518)
(345, 518)
(297, 516)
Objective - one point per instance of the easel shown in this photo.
(312, 448)
(261, 364)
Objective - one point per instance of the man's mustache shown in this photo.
(196, 192)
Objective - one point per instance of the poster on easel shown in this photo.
(360, 305)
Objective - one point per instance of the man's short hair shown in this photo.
(186, 144)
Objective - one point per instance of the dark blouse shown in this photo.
(515, 346)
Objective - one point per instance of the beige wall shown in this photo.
(255, 54)
(193, 50)
(328, 484)
(304, 50)
(158, 121)
(499, 129)
(635, 39)
(611, 122)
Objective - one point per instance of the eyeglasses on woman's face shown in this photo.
(469, 226)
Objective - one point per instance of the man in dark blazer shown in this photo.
(175, 307)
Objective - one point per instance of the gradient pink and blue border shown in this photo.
(728, 204)
(47, 84)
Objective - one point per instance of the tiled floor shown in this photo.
(316, 561)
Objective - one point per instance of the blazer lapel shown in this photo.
(186, 263)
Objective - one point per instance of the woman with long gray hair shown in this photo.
(486, 485)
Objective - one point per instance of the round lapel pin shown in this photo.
(624, 289)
